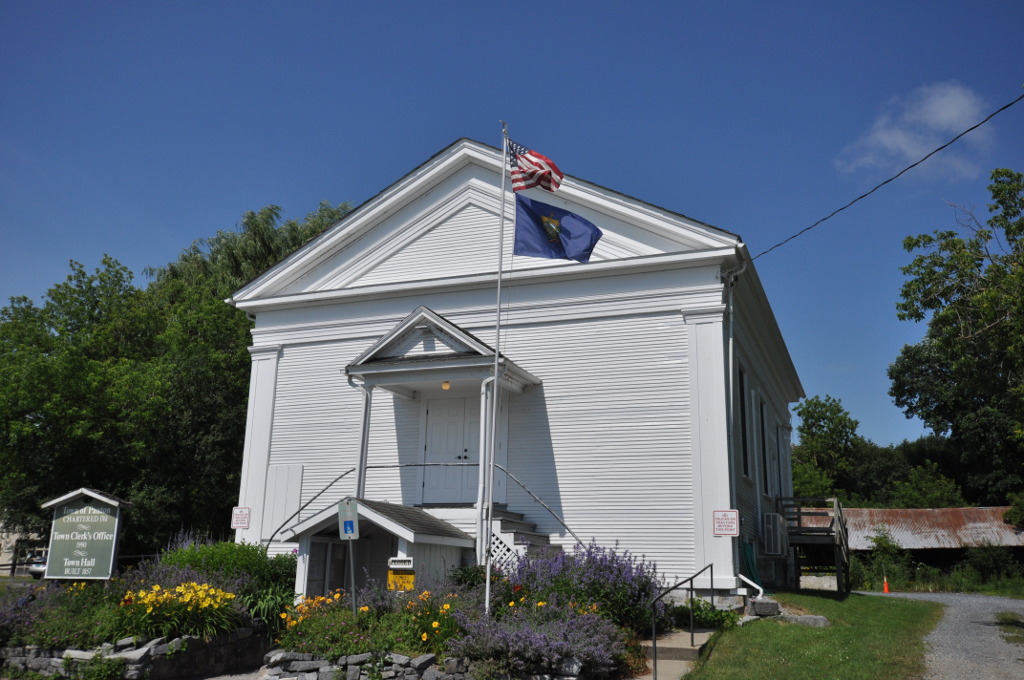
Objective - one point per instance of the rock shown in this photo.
(134, 655)
(570, 666)
(78, 654)
(766, 607)
(305, 665)
(422, 662)
(271, 657)
(432, 673)
(155, 642)
(809, 620)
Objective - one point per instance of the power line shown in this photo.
(909, 167)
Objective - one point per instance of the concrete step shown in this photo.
(668, 669)
(675, 646)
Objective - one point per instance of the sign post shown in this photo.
(240, 518)
(348, 528)
(83, 536)
(725, 522)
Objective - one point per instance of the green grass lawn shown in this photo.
(870, 638)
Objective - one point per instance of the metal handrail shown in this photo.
(654, 614)
(405, 465)
(542, 503)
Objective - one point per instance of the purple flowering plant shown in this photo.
(536, 636)
(614, 584)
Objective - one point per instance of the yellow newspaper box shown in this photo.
(401, 575)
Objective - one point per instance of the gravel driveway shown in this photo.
(967, 643)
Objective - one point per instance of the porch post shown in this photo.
(364, 440)
(302, 567)
(482, 514)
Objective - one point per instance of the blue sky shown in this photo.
(134, 128)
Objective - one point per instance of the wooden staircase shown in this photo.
(818, 538)
(514, 536)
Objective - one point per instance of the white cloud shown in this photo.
(911, 126)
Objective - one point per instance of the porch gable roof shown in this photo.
(404, 521)
(426, 346)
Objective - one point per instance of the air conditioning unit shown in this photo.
(773, 533)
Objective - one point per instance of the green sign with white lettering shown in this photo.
(83, 539)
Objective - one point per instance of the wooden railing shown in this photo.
(819, 521)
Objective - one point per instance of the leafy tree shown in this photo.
(1015, 515)
(926, 487)
(827, 433)
(71, 399)
(139, 392)
(828, 437)
(831, 459)
(966, 377)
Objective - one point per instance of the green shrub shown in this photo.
(705, 615)
(71, 614)
(325, 626)
(266, 585)
(1015, 515)
(992, 562)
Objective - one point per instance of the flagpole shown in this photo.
(495, 386)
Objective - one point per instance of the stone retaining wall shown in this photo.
(244, 651)
(282, 665)
(157, 659)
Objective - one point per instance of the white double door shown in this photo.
(452, 451)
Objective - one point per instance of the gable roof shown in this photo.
(411, 523)
(86, 493)
(446, 210)
(425, 345)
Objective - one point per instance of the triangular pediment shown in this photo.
(424, 334)
(442, 223)
(425, 346)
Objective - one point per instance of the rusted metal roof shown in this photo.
(919, 529)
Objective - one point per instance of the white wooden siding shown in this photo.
(433, 562)
(283, 492)
(606, 440)
(452, 248)
(611, 418)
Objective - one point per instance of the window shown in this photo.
(764, 451)
(742, 407)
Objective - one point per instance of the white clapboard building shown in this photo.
(641, 395)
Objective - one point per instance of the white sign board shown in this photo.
(726, 522)
(240, 518)
(348, 519)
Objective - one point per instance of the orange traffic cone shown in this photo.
(885, 584)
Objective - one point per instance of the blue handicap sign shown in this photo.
(348, 519)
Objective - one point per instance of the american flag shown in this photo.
(531, 169)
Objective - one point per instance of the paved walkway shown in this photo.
(968, 643)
